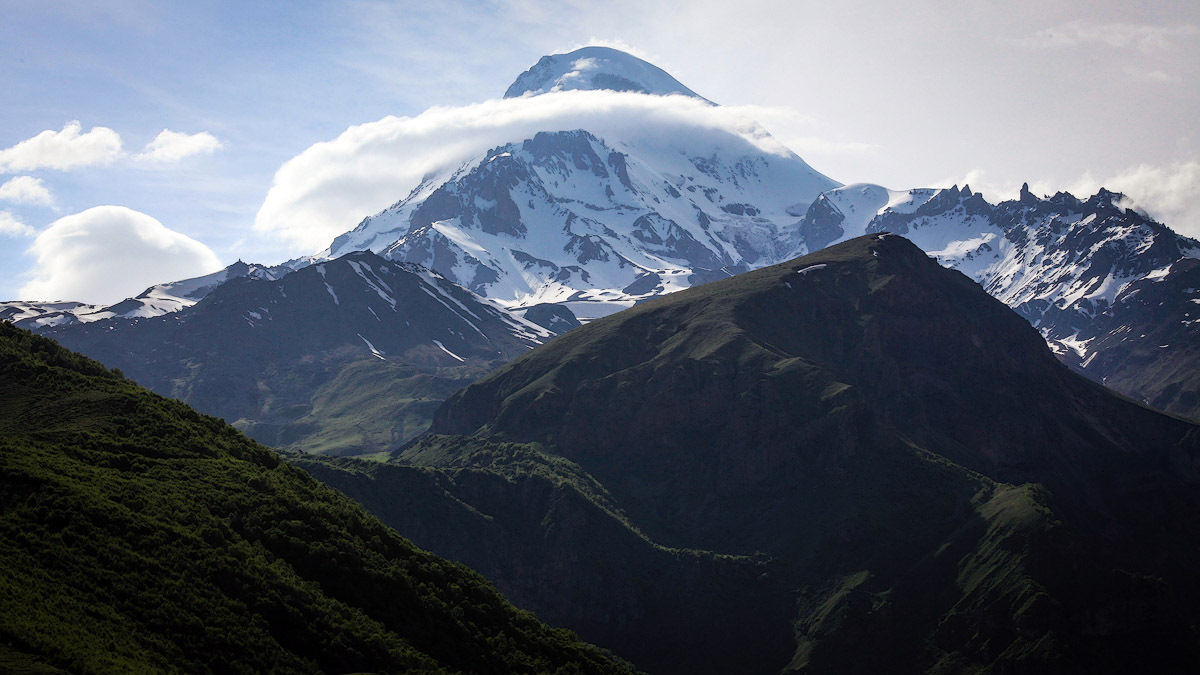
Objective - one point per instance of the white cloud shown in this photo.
(1154, 76)
(108, 253)
(62, 150)
(325, 190)
(10, 226)
(26, 190)
(172, 146)
(1166, 193)
(1144, 37)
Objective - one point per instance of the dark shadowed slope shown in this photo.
(139, 536)
(349, 356)
(929, 486)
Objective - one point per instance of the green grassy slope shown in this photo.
(139, 536)
(359, 408)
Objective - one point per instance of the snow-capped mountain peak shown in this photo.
(570, 217)
(592, 68)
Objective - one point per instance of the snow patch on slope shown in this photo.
(443, 348)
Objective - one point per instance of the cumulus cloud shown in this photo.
(26, 190)
(62, 150)
(108, 253)
(172, 146)
(1144, 37)
(325, 190)
(11, 227)
(1165, 193)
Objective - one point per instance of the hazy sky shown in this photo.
(178, 115)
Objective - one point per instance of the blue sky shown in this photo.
(1062, 95)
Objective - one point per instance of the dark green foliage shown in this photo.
(137, 535)
(547, 533)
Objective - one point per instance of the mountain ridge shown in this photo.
(156, 300)
(1073, 268)
(347, 356)
(897, 441)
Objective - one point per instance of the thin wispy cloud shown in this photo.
(1166, 193)
(1144, 37)
(1152, 76)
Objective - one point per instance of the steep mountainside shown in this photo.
(1112, 291)
(140, 536)
(347, 356)
(903, 453)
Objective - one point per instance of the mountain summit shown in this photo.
(661, 194)
(592, 68)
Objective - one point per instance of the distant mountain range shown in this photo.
(856, 461)
(154, 301)
(347, 356)
(596, 223)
